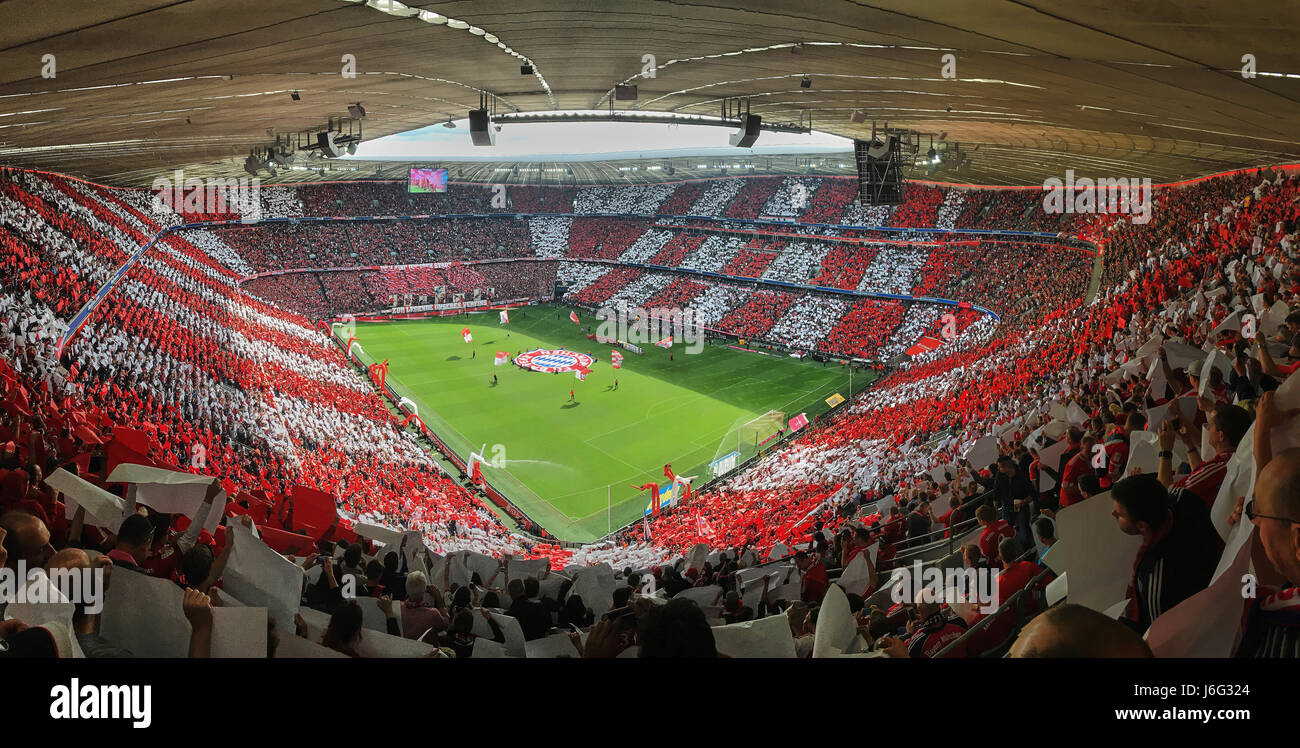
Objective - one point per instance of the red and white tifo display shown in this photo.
(551, 361)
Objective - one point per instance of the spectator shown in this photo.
(422, 609)
(460, 638)
(815, 582)
(1045, 530)
(1076, 632)
(994, 530)
(531, 612)
(1180, 548)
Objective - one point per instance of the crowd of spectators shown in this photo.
(829, 200)
(718, 195)
(807, 322)
(680, 202)
(844, 265)
(791, 197)
(863, 330)
(549, 236)
(647, 246)
(677, 249)
(179, 356)
(757, 315)
(603, 238)
(541, 199)
(750, 261)
(599, 290)
(638, 199)
(679, 294)
(753, 196)
(798, 262)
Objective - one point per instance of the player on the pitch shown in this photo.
(571, 396)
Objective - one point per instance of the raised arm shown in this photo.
(219, 565)
(1193, 444)
(1165, 474)
(198, 611)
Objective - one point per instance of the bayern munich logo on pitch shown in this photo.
(551, 361)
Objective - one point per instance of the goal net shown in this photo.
(754, 433)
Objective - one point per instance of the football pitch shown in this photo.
(561, 461)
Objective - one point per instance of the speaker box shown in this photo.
(748, 132)
(325, 140)
(880, 176)
(480, 128)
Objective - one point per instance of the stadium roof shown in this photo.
(1116, 89)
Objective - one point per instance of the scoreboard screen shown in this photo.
(428, 180)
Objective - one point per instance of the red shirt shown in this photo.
(854, 550)
(930, 640)
(815, 583)
(1075, 469)
(1116, 457)
(991, 536)
(1205, 480)
(1014, 579)
(165, 563)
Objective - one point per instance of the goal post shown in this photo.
(754, 432)
(745, 439)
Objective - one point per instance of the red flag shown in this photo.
(573, 316)
(666, 342)
(313, 510)
(501, 358)
(86, 435)
(119, 452)
(286, 542)
(465, 334)
(133, 439)
(505, 317)
(616, 359)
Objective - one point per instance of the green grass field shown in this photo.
(560, 457)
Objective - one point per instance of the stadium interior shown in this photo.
(1041, 302)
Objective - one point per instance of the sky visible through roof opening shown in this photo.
(590, 141)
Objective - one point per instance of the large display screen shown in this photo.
(428, 180)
